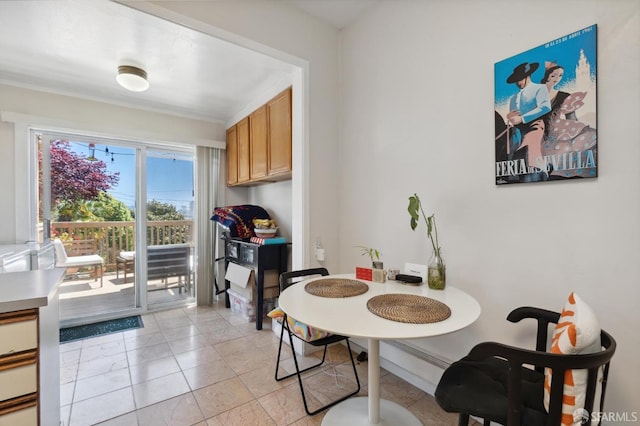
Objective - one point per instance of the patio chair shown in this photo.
(64, 261)
(125, 262)
(163, 262)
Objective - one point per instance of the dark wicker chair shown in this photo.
(493, 382)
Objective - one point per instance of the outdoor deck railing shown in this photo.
(113, 237)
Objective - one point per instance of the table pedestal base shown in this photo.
(353, 412)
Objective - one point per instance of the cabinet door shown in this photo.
(243, 150)
(279, 114)
(22, 411)
(18, 334)
(259, 143)
(18, 380)
(232, 156)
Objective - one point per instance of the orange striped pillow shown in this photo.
(577, 331)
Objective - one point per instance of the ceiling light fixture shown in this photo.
(132, 78)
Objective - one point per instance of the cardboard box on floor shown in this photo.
(243, 282)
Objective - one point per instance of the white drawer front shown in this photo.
(18, 381)
(18, 336)
(26, 417)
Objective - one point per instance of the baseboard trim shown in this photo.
(418, 367)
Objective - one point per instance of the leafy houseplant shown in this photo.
(436, 276)
(373, 254)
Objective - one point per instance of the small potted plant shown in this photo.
(436, 270)
(373, 254)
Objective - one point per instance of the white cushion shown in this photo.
(127, 255)
(91, 259)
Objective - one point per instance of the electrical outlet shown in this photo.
(319, 252)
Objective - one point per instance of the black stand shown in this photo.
(258, 257)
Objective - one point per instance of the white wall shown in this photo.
(276, 199)
(417, 102)
(71, 113)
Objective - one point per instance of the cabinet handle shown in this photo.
(18, 316)
(18, 403)
(18, 360)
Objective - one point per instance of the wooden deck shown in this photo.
(82, 297)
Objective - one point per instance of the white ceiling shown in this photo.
(74, 47)
(338, 13)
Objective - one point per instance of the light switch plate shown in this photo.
(416, 269)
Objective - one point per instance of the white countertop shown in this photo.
(30, 289)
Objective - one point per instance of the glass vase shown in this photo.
(437, 272)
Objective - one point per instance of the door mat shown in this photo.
(99, 328)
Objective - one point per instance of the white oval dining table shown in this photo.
(350, 316)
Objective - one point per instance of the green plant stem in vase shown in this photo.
(436, 273)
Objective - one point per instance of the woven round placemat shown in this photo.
(336, 287)
(409, 308)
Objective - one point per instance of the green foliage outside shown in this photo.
(157, 210)
(103, 208)
(110, 209)
(73, 211)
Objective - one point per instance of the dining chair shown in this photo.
(291, 326)
(494, 382)
(64, 261)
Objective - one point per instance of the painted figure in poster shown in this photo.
(545, 111)
(563, 131)
(526, 111)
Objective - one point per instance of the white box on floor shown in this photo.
(301, 348)
(244, 306)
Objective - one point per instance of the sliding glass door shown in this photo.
(130, 203)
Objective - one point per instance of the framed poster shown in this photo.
(545, 111)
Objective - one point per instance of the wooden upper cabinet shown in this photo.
(259, 143)
(279, 113)
(259, 146)
(243, 150)
(232, 156)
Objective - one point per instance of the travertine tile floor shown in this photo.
(204, 366)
